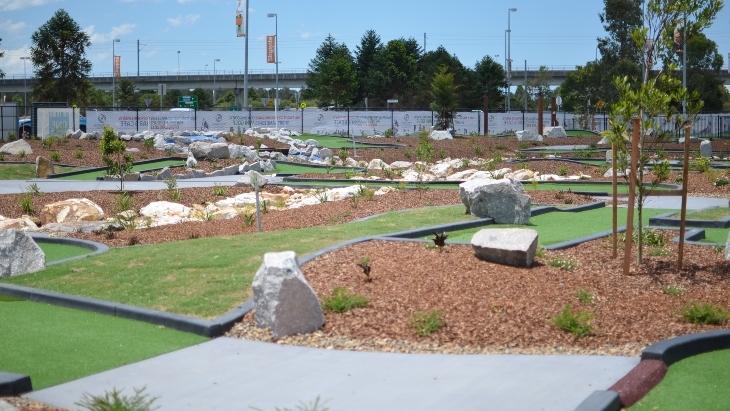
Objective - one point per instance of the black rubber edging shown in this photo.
(205, 328)
(96, 248)
(14, 384)
(95, 169)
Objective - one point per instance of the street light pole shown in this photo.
(276, 52)
(25, 86)
(214, 61)
(178, 62)
(114, 73)
(509, 58)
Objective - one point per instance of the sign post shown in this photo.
(188, 102)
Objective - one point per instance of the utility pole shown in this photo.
(424, 42)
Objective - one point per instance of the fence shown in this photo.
(9, 114)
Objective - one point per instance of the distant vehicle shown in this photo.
(25, 126)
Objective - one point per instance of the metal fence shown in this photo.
(9, 114)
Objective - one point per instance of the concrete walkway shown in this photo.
(232, 374)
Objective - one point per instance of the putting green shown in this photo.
(92, 175)
(288, 168)
(335, 141)
(56, 252)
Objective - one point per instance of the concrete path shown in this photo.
(232, 374)
(675, 202)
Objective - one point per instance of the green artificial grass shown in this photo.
(696, 383)
(334, 142)
(581, 133)
(709, 214)
(556, 227)
(283, 168)
(209, 276)
(92, 175)
(55, 252)
(55, 344)
(715, 235)
(17, 171)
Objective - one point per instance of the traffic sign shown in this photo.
(600, 104)
(392, 100)
(303, 105)
(188, 101)
(233, 108)
(559, 100)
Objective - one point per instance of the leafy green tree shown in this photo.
(487, 76)
(365, 53)
(229, 99)
(94, 97)
(332, 74)
(114, 155)
(2, 54)
(205, 97)
(58, 55)
(620, 18)
(430, 64)
(395, 73)
(443, 93)
(127, 94)
(171, 98)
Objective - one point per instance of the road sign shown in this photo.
(147, 102)
(392, 100)
(303, 105)
(188, 101)
(271, 102)
(600, 104)
(233, 108)
(559, 100)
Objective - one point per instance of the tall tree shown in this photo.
(2, 54)
(365, 53)
(430, 64)
(487, 76)
(127, 94)
(395, 73)
(58, 55)
(332, 74)
(443, 95)
(619, 19)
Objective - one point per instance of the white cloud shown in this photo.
(310, 34)
(108, 37)
(11, 27)
(10, 5)
(12, 65)
(179, 20)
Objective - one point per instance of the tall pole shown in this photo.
(276, 60)
(137, 60)
(25, 86)
(245, 64)
(684, 65)
(214, 100)
(509, 58)
(178, 62)
(114, 73)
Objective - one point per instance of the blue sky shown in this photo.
(554, 34)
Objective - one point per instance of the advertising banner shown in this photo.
(271, 49)
(117, 66)
(240, 15)
(57, 121)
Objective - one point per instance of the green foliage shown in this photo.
(55, 156)
(365, 192)
(701, 164)
(562, 171)
(332, 74)
(439, 240)
(706, 313)
(79, 154)
(426, 323)
(173, 192)
(113, 154)
(249, 219)
(443, 93)
(115, 401)
(563, 264)
(21, 154)
(575, 323)
(673, 290)
(33, 189)
(47, 143)
(341, 300)
(220, 190)
(585, 296)
(26, 203)
(124, 202)
(321, 195)
(148, 144)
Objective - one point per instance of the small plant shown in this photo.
(402, 186)
(79, 154)
(343, 154)
(673, 290)
(55, 156)
(426, 323)
(169, 152)
(364, 192)
(364, 264)
(388, 172)
(26, 203)
(388, 133)
(659, 252)
(524, 145)
(194, 236)
(477, 150)
(2, 156)
(562, 171)
(563, 264)
(534, 184)
(133, 241)
(341, 301)
(540, 252)
(249, 219)
(576, 323)
(701, 164)
(173, 192)
(148, 144)
(568, 200)
(115, 401)
(21, 154)
(559, 195)
(584, 296)
(439, 240)
(33, 189)
(321, 195)
(464, 163)
(497, 158)
(407, 153)
(697, 313)
(124, 202)
(722, 181)
(718, 249)
(48, 142)
(220, 190)
(349, 173)
(355, 200)
(443, 154)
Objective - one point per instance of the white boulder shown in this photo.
(528, 135)
(554, 132)
(503, 200)
(19, 254)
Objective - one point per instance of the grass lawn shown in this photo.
(716, 235)
(207, 277)
(581, 133)
(557, 227)
(302, 169)
(91, 175)
(696, 383)
(55, 252)
(711, 214)
(334, 142)
(17, 171)
(55, 344)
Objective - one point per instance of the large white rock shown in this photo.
(71, 210)
(706, 148)
(22, 223)
(511, 246)
(440, 135)
(159, 209)
(554, 132)
(16, 148)
(528, 135)
(503, 200)
(19, 254)
(284, 301)
(401, 165)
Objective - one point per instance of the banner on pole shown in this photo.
(240, 12)
(271, 49)
(117, 66)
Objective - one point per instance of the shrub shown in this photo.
(722, 181)
(341, 300)
(563, 264)
(584, 296)
(697, 313)
(249, 219)
(115, 401)
(701, 164)
(576, 323)
(79, 154)
(21, 154)
(426, 323)
(26, 203)
(148, 144)
(563, 171)
(220, 190)
(55, 156)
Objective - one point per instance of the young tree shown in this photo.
(113, 154)
(332, 74)
(443, 93)
(58, 55)
(127, 94)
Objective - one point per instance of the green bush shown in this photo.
(341, 300)
(576, 323)
(706, 313)
(115, 401)
(426, 323)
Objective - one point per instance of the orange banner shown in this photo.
(271, 49)
(117, 66)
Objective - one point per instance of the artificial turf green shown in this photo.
(17, 171)
(696, 383)
(92, 175)
(54, 344)
(716, 235)
(335, 142)
(284, 168)
(556, 227)
(55, 252)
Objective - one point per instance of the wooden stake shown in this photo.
(632, 197)
(683, 214)
(615, 202)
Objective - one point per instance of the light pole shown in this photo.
(214, 61)
(206, 69)
(25, 86)
(509, 59)
(276, 53)
(114, 73)
(178, 62)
